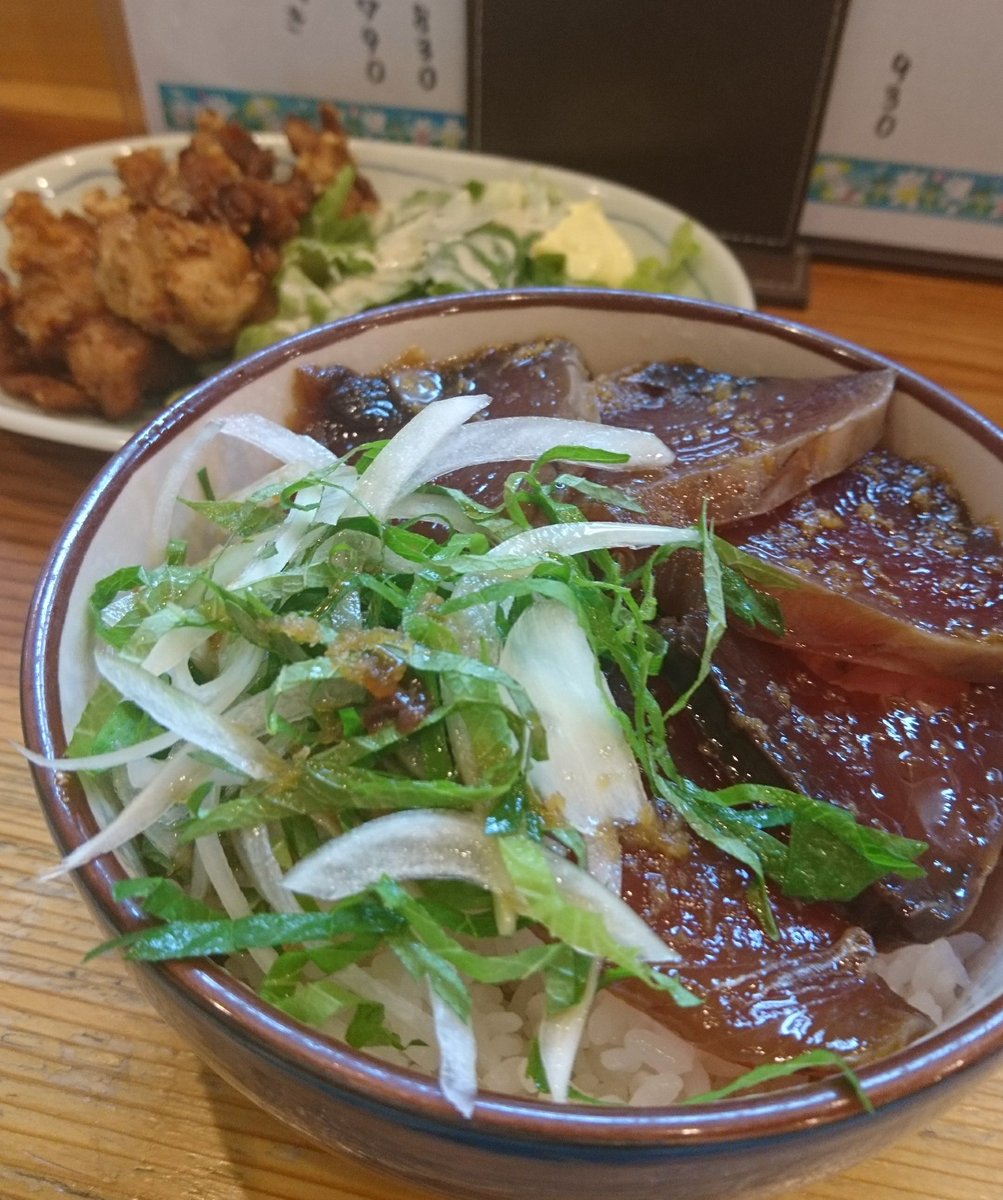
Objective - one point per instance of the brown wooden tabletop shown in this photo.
(98, 1097)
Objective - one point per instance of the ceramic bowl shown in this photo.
(510, 1148)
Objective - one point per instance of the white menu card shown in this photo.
(911, 149)
(395, 69)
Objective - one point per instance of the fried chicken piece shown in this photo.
(254, 161)
(113, 303)
(321, 154)
(119, 365)
(43, 240)
(224, 175)
(55, 256)
(144, 174)
(47, 391)
(193, 284)
(98, 206)
(15, 354)
(60, 347)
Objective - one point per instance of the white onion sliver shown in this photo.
(217, 694)
(171, 486)
(398, 1006)
(255, 849)
(397, 469)
(430, 844)
(233, 680)
(178, 777)
(420, 505)
(176, 646)
(415, 844)
(560, 1036)
(507, 439)
(231, 895)
(590, 773)
(190, 720)
(620, 919)
(457, 1055)
(278, 440)
(282, 545)
(582, 537)
(106, 761)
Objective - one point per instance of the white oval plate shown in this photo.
(395, 171)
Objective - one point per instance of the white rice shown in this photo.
(626, 1057)
(933, 977)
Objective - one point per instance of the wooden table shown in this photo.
(98, 1097)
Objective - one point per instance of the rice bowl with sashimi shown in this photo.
(434, 738)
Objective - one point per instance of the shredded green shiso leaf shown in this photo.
(313, 752)
(437, 241)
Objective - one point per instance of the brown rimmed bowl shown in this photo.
(510, 1148)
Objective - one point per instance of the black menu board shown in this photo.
(712, 105)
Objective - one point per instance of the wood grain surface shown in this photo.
(98, 1098)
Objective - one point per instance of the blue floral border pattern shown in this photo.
(904, 188)
(181, 104)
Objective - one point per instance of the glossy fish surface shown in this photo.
(764, 999)
(888, 570)
(918, 757)
(743, 445)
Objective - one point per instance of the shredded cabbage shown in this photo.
(475, 237)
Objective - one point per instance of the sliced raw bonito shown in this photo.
(545, 378)
(743, 445)
(890, 571)
(342, 409)
(536, 379)
(763, 999)
(921, 758)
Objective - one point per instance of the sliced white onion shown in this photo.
(398, 468)
(278, 440)
(123, 757)
(508, 439)
(178, 777)
(619, 918)
(335, 493)
(424, 844)
(175, 646)
(255, 430)
(560, 1035)
(217, 695)
(170, 487)
(415, 844)
(255, 848)
(402, 1010)
(590, 773)
(431, 507)
(231, 895)
(190, 720)
(582, 537)
(457, 1055)
(281, 544)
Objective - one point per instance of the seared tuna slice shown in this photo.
(534, 379)
(343, 409)
(890, 572)
(763, 999)
(918, 757)
(743, 445)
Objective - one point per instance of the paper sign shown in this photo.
(395, 70)
(911, 150)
